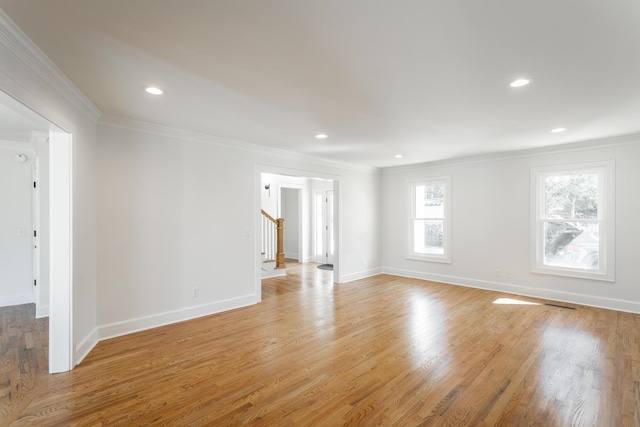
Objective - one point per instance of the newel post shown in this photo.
(280, 247)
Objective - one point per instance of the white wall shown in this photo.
(16, 213)
(270, 199)
(30, 79)
(360, 227)
(291, 212)
(176, 213)
(490, 227)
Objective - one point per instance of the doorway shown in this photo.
(296, 192)
(56, 291)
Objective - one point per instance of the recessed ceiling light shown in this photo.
(398, 156)
(322, 136)
(520, 82)
(558, 130)
(153, 90)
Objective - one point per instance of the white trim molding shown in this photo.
(174, 316)
(346, 278)
(60, 253)
(280, 272)
(187, 135)
(615, 141)
(85, 346)
(42, 312)
(14, 39)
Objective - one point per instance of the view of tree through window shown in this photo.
(428, 227)
(571, 226)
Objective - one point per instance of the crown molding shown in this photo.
(518, 154)
(160, 130)
(14, 39)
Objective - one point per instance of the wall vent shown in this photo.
(559, 306)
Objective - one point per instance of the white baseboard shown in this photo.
(85, 346)
(278, 272)
(582, 299)
(345, 278)
(155, 320)
(17, 300)
(42, 311)
(291, 255)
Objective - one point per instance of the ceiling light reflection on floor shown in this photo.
(513, 301)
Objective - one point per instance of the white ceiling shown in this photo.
(425, 78)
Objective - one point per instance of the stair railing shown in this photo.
(273, 238)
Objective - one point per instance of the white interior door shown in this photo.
(329, 243)
(324, 235)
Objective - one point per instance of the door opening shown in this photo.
(324, 230)
(299, 188)
(59, 211)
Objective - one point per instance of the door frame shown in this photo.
(259, 169)
(61, 252)
(61, 354)
(35, 219)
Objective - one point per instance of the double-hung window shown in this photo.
(430, 221)
(573, 220)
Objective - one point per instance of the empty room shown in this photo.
(288, 212)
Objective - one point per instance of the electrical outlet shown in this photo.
(195, 292)
(507, 275)
(498, 274)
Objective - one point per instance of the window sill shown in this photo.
(429, 258)
(578, 274)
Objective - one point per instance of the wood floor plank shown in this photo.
(384, 350)
(23, 358)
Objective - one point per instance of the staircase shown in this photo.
(272, 246)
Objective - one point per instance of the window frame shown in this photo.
(445, 257)
(605, 220)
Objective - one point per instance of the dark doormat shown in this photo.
(325, 266)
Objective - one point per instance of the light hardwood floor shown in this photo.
(379, 351)
(24, 353)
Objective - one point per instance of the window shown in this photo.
(429, 234)
(573, 227)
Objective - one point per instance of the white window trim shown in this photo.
(606, 214)
(446, 256)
